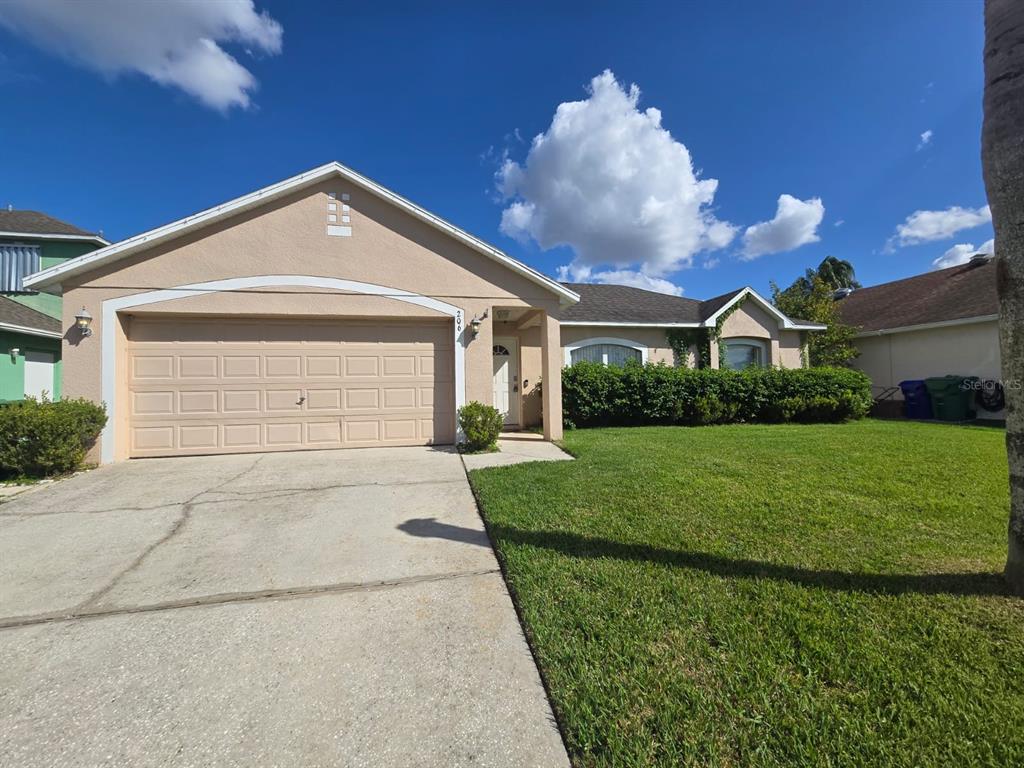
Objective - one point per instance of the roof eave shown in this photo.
(626, 324)
(30, 331)
(56, 236)
(928, 326)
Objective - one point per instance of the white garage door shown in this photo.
(228, 386)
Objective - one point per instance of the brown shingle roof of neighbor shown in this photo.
(36, 223)
(601, 303)
(956, 293)
(16, 313)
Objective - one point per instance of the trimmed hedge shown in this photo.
(607, 395)
(40, 438)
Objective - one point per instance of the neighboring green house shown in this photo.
(30, 322)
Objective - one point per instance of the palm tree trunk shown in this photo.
(1002, 152)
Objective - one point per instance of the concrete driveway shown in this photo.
(291, 609)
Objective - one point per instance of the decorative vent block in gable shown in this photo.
(334, 229)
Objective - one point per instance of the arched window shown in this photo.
(499, 350)
(606, 351)
(743, 353)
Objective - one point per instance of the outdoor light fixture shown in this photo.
(14, 354)
(83, 320)
(476, 322)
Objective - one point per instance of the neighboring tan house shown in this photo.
(326, 311)
(939, 323)
(30, 322)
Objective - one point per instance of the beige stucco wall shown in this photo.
(753, 322)
(963, 350)
(288, 237)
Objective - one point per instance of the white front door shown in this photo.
(506, 378)
(38, 374)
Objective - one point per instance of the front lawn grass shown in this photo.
(770, 595)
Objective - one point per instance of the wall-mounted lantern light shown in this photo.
(83, 320)
(14, 352)
(476, 322)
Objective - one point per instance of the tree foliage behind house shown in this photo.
(812, 297)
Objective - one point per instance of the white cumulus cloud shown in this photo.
(926, 139)
(961, 253)
(173, 42)
(795, 224)
(925, 226)
(607, 180)
(577, 274)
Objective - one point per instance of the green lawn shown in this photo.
(770, 595)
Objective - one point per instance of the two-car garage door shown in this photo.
(234, 386)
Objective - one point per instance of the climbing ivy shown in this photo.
(682, 339)
(719, 325)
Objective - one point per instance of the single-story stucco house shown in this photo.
(939, 323)
(326, 311)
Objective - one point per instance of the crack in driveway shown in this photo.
(183, 518)
(227, 598)
(273, 493)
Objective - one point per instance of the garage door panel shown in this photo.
(160, 438)
(243, 386)
(153, 367)
(152, 403)
(199, 437)
(278, 366)
(241, 401)
(323, 399)
(243, 436)
(279, 400)
(324, 433)
(241, 366)
(203, 401)
(319, 365)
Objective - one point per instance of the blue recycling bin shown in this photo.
(917, 403)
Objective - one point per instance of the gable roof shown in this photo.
(963, 293)
(602, 304)
(15, 316)
(119, 250)
(40, 225)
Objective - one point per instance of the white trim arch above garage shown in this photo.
(111, 307)
(575, 345)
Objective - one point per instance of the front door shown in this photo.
(506, 379)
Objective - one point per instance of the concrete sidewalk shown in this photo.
(317, 608)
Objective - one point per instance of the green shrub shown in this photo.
(39, 438)
(481, 424)
(601, 395)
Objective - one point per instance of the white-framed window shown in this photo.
(743, 353)
(605, 350)
(17, 261)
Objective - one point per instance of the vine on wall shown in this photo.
(682, 339)
(719, 325)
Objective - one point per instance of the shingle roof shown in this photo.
(955, 293)
(710, 306)
(36, 223)
(623, 304)
(16, 313)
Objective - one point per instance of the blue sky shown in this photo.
(814, 100)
